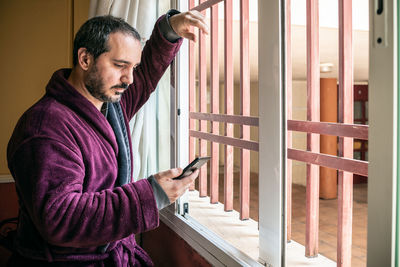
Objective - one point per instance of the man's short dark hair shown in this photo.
(93, 35)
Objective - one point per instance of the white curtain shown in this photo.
(151, 123)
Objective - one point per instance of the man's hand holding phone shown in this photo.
(174, 188)
(196, 164)
(175, 182)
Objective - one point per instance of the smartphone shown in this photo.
(193, 166)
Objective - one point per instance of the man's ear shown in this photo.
(84, 58)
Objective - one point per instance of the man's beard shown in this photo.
(95, 85)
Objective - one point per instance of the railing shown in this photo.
(345, 129)
(244, 119)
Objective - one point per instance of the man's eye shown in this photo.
(119, 65)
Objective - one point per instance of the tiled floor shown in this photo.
(328, 223)
(328, 218)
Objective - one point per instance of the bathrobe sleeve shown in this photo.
(157, 55)
(51, 177)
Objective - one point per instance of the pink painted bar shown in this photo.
(192, 95)
(228, 60)
(206, 4)
(245, 109)
(230, 141)
(346, 100)
(339, 163)
(214, 168)
(337, 129)
(203, 108)
(236, 119)
(313, 113)
(289, 117)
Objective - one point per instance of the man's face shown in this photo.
(109, 76)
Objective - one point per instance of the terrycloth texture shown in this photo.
(63, 156)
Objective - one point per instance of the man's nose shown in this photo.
(128, 76)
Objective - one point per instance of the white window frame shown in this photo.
(272, 224)
(383, 106)
(382, 140)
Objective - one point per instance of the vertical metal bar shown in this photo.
(346, 96)
(192, 103)
(214, 169)
(313, 113)
(245, 109)
(203, 107)
(289, 104)
(228, 58)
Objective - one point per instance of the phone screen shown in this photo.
(193, 166)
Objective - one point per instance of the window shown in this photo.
(272, 152)
(268, 251)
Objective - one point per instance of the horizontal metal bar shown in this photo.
(236, 119)
(251, 145)
(330, 128)
(338, 163)
(206, 5)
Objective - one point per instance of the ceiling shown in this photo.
(329, 52)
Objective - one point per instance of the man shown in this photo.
(70, 152)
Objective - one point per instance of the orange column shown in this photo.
(328, 143)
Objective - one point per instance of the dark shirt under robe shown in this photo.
(63, 156)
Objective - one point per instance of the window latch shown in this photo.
(185, 208)
(380, 24)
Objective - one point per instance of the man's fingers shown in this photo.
(199, 23)
(190, 178)
(190, 36)
(175, 172)
(172, 173)
(182, 23)
(174, 188)
(196, 14)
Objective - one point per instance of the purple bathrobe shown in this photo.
(63, 157)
